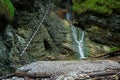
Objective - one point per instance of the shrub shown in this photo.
(7, 9)
(100, 6)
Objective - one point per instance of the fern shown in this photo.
(7, 9)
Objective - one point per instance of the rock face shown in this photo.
(52, 39)
(100, 22)
(102, 29)
(52, 36)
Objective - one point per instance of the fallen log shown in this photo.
(111, 77)
(110, 54)
(13, 74)
(7, 76)
(33, 75)
(26, 74)
(103, 73)
(47, 75)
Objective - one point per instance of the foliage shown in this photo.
(56, 2)
(114, 49)
(7, 9)
(100, 6)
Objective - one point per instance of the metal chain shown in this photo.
(34, 33)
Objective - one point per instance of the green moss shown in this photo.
(114, 49)
(7, 9)
(100, 6)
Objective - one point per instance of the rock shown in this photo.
(71, 70)
(61, 13)
(74, 66)
(23, 4)
(101, 29)
(96, 49)
(52, 39)
(69, 78)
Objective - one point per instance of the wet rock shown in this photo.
(51, 38)
(101, 29)
(114, 23)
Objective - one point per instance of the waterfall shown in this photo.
(68, 16)
(79, 38)
(79, 42)
(77, 35)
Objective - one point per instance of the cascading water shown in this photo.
(68, 16)
(79, 38)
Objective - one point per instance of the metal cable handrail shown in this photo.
(34, 33)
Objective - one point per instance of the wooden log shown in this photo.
(7, 76)
(104, 73)
(111, 77)
(32, 75)
(110, 54)
(26, 74)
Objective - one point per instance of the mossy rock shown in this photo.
(114, 49)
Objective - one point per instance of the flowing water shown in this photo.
(78, 34)
(79, 39)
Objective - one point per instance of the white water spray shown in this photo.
(68, 16)
(80, 43)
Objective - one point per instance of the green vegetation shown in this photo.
(56, 2)
(114, 49)
(100, 6)
(7, 9)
